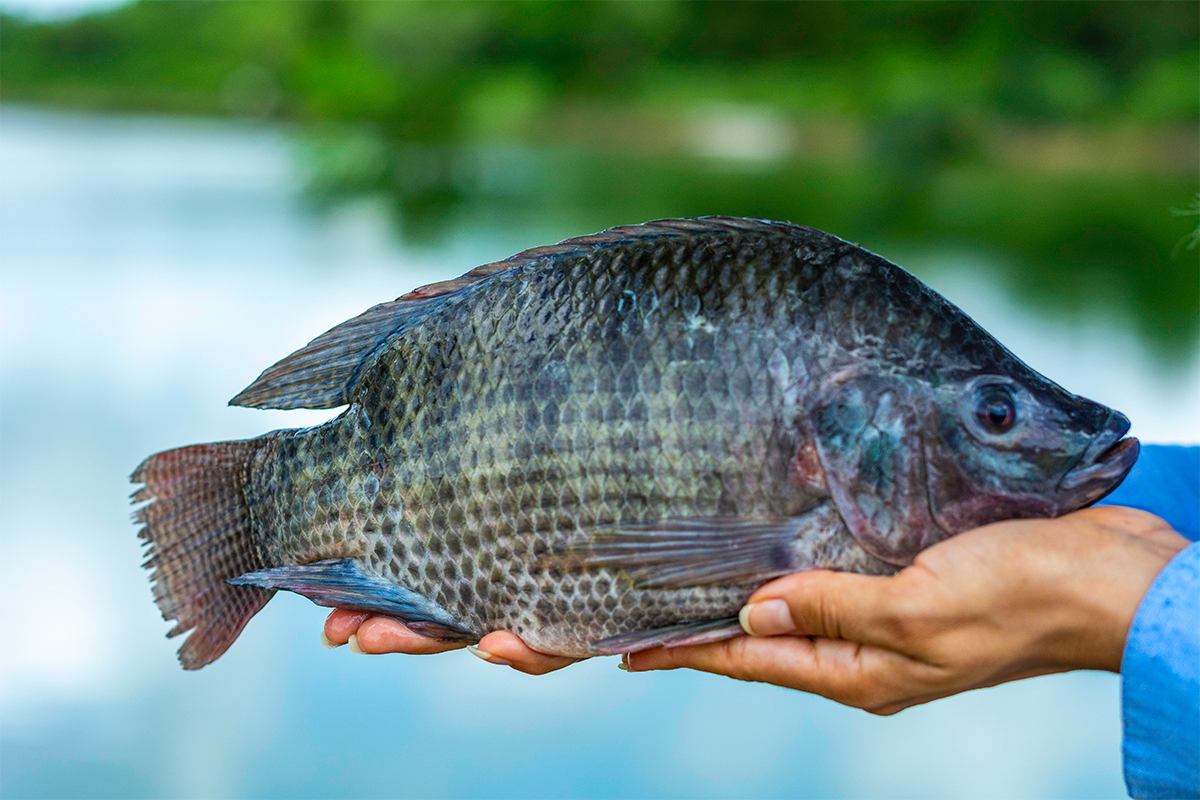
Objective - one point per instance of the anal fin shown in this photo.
(342, 583)
(682, 635)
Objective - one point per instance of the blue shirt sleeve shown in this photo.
(1166, 482)
(1160, 685)
(1160, 671)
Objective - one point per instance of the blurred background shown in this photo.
(191, 190)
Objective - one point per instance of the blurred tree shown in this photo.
(1059, 133)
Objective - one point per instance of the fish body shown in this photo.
(608, 444)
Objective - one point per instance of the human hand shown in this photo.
(999, 603)
(367, 633)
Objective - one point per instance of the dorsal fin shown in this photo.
(322, 374)
(658, 229)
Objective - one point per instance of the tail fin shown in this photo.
(200, 534)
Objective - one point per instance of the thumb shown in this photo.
(834, 605)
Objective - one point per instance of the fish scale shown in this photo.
(601, 445)
(540, 438)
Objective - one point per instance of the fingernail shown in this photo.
(624, 662)
(328, 645)
(354, 648)
(768, 618)
(488, 657)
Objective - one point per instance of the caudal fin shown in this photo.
(199, 534)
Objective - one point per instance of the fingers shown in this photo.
(371, 634)
(387, 635)
(833, 605)
(507, 649)
(864, 677)
(340, 625)
(374, 635)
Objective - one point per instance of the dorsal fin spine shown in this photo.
(322, 373)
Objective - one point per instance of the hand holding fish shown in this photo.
(1003, 602)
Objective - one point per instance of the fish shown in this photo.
(608, 444)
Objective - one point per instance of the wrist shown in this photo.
(1102, 598)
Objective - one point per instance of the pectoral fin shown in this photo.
(694, 551)
(342, 583)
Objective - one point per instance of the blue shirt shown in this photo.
(1160, 670)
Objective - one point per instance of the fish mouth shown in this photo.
(1105, 463)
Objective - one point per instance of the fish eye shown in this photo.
(996, 408)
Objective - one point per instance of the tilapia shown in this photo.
(607, 444)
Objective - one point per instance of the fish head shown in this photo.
(1016, 446)
(910, 460)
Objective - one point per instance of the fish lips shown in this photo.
(1104, 464)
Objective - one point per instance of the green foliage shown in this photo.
(1058, 134)
(335, 60)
